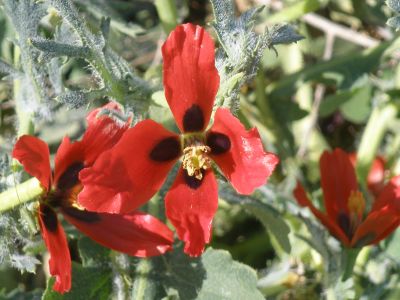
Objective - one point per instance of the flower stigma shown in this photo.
(356, 203)
(195, 159)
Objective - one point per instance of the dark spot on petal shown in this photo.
(344, 223)
(365, 240)
(218, 142)
(55, 199)
(193, 119)
(192, 181)
(82, 215)
(70, 178)
(49, 218)
(167, 149)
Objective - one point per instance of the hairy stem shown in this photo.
(141, 279)
(19, 194)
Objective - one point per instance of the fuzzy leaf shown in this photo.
(212, 276)
(394, 22)
(54, 49)
(24, 262)
(76, 99)
(394, 5)
(283, 34)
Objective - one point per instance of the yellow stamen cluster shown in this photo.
(195, 160)
(356, 203)
(72, 197)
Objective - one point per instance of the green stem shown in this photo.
(120, 267)
(115, 88)
(167, 13)
(377, 124)
(142, 282)
(19, 194)
(349, 260)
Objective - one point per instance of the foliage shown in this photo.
(329, 78)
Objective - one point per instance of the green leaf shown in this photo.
(392, 246)
(295, 11)
(226, 278)
(394, 22)
(333, 102)
(212, 276)
(53, 48)
(358, 108)
(76, 99)
(92, 254)
(87, 283)
(394, 5)
(349, 67)
(274, 223)
(283, 34)
(268, 216)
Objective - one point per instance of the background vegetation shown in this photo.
(338, 86)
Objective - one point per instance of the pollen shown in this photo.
(356, 203)
(195, 159)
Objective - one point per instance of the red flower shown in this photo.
(376, 175)
(345, 204)
(136, 233)
(134, 170)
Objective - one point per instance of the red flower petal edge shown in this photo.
(34, 155)
(190, 206)
(383, 218)
(245, 164)
(136, 234)
(56, 242)
(303, 200)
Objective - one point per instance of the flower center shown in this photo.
(356, 206)
(356, 203)
(195, 159)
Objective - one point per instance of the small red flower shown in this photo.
(376, 175)
(137, 234)
(345, 204)
(134, 170)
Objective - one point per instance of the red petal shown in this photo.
(303, 200)
(244, 163)
(191, 80)
(34, 155)
(377, 226)
(384, 216)
(56, 242)
(102, 134)
(376, 175)
(136, 234)
(338, 179)
(191, 206)
(92, 115)
(126, 177)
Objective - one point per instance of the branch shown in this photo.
(339, 31)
